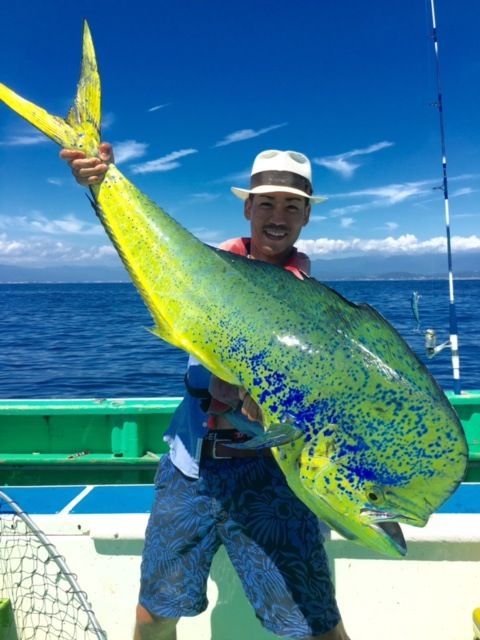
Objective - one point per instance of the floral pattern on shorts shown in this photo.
(272, 539)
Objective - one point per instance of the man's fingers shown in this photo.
(91, 180)
(88, 171)
(251, 409)
(88, 168)
(91, 170)
(71, 154)
(106, 152)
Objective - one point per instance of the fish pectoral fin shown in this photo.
(311, 467)
(276, 436)
(326, 445)
(243, 424)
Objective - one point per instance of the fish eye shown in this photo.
(375, 494)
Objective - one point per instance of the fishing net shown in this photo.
(46, 599)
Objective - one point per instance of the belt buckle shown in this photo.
(214, 449)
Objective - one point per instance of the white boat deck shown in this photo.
(429, 595)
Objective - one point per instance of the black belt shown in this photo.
(215, 446)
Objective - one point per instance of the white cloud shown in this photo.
(9, 247)
(38, 223)
(157, 107)
(107, 120)
(55, 181)
(212, 236)
(391, 226)
(407, 244)
(47, 252)
(24, 140)
(167, 163)
(69, 225)
(467, 215)
(466, 191)
(355, 208)
(205, 196)
(50, 249)
(234, 178)
(246, 134)
(396, 192)
(341, 163)
(129, 150)
(347, 222)
(386, 196)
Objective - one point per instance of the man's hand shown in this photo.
(250, 408)
(88, 171)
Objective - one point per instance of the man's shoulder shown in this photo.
(236, 245)
(300, 261)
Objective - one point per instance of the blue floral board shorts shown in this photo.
(273, 541)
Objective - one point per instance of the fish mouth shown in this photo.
(386, 523)
(394, 533)
(379, 517)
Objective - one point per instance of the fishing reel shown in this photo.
(431, 346)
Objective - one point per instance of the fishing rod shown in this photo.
(430, 337)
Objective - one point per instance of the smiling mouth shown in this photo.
(275, 233)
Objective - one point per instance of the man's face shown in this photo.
(276, 220)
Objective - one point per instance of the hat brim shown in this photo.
(270, 188)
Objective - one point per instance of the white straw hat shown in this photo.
(285, 171)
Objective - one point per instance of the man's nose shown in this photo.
(278, 213)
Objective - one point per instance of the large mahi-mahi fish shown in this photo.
(379, 442)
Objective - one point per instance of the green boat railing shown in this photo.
(119, 441)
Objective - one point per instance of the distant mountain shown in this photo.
(10, 273)
(465, 265)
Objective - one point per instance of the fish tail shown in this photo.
(81, 128)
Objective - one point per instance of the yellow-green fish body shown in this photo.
(378, 441)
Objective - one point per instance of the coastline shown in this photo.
(382, 278)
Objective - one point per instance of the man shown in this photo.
(208, 494)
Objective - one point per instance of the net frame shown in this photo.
(45, 595)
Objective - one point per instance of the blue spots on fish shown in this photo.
(294, 397)
(357, 473)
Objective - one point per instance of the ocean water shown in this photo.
(90, 340)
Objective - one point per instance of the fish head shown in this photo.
(379, 465)
(365, 505)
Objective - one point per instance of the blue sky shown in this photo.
(193, 90)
